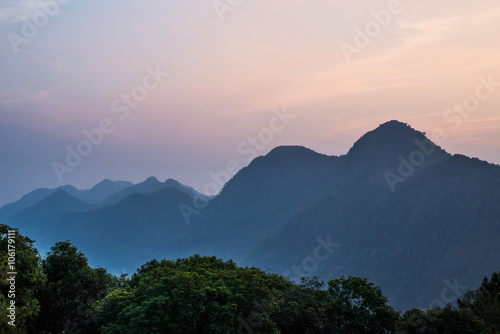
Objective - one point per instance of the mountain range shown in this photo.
(419, 222)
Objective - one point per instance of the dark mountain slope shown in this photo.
(440, 225)
(259, 198)
(290, 179)
(383, 150)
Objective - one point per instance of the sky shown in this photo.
(189, 89)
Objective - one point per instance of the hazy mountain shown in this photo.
(104, 193)
(33, 197)
(100, 231)
(125, 235)
(58, 202)
(38, 220)
(396, 208)
(150, 185)
(103, 190)
(96, 194)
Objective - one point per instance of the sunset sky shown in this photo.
(231, 65)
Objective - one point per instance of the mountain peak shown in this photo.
(103, 182)
(60, 194)
(60, 198)
(151, 180)
(171, 181)
(382, 147)
(395, 124)
(389, 138)
(292, 150)
(391, 131)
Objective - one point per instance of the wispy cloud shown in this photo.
(14, 97)
(439, 28)
(14, 11)
(423, 53)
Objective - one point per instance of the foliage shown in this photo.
(447, 320)
(208, 295)
(357, 306)
(28, 280)
(199, 294)
(484, 304)
(72, 286)
(194, 295)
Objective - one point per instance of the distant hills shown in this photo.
(396, 208)
(148, 186)
(95, 195)
(116, 215)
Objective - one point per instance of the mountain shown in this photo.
(102, 229)
(150, 185)
(441, 225)
(57, 203)
(258, 199)
(393, 204)
(96, 194)
(103, 190)
(438, 224)
(33, 197)
(104, 193)
(383, 151)
(125, 235)
(290, 179)
(397, 209)
(37, 219)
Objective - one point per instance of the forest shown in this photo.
(61, 293)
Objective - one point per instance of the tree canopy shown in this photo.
(204, 294)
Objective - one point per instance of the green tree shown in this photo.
(196, 295)
(28, 280)
(307, 304)
(72, 286)
(447, 320)
(209, 295)
(484, 304)
(357, 306)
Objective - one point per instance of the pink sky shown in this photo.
(227, 76)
